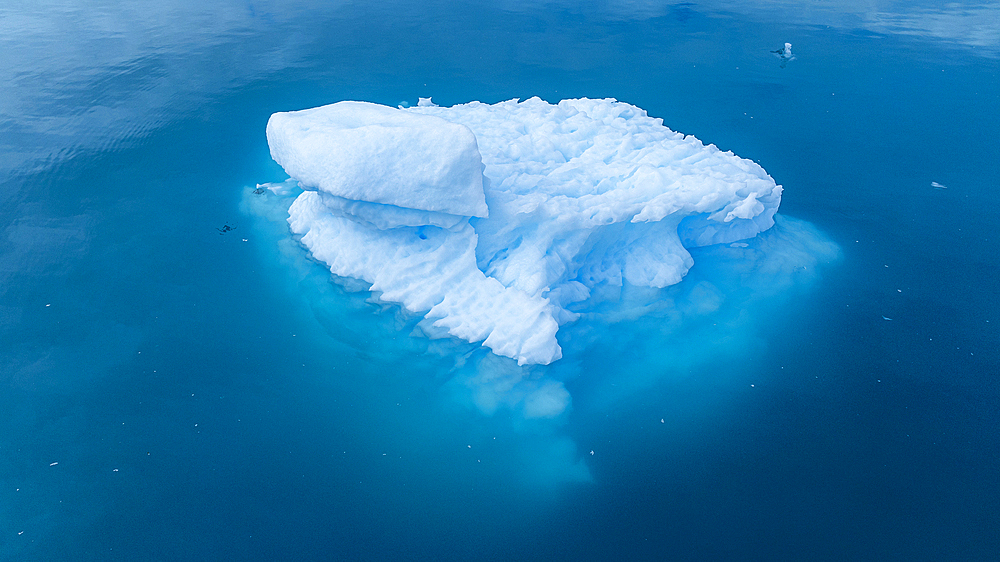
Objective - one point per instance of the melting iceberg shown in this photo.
(497, 222)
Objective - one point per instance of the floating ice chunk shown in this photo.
(937, 185)
(785, 54)
(582, 195)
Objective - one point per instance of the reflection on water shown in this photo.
(85, 75)
(89, 75)
(973, 23)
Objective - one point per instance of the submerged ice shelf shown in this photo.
(491, 220)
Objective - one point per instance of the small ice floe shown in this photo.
(937, 185)
(739, 245)
(785, 54)
(885, 318)
(53, 463)
(785, 51)
(592, 452)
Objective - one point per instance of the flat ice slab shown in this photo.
(369, 152)
(491, 220)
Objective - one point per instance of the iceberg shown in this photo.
(498, 223)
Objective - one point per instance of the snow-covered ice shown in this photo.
(498, 223)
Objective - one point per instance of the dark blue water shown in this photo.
(170, 392)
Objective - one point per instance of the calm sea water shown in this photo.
(171, 392)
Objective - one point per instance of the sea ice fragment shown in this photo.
(492, 220)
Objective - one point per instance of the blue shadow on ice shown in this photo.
(522, 245)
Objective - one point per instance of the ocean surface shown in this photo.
(179, 381)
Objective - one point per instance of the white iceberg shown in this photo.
(493, 220)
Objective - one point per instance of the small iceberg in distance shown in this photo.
(500, 223)
(785, 54)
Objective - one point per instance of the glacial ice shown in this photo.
(499, 223)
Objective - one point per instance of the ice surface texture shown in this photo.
(368, 152)
(492, 220)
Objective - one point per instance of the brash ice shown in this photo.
(494, 221)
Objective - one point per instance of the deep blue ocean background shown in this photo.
(168, 392)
